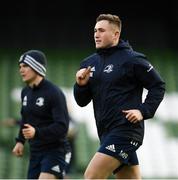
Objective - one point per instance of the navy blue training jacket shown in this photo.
(118, 76)
(44, 107)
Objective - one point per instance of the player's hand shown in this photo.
(18, 149)
(28, 131)
(82, 76)
(133, 115)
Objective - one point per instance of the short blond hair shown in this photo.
(114, 19)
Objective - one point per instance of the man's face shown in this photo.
(27, 73)
(105, 34)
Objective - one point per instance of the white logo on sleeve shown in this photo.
(24, 103)
(111, 148)
(134, 143)
(56, 168)
(91, 71)
(40, 101)
(150, 68)
(68, 157)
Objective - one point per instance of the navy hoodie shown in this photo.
(44, 107)
(117, 78)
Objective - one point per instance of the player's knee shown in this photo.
(129, 172)
(90, 175)
(95, 174)
(87, 175)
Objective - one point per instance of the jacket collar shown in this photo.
(121, 45)
(35, 87)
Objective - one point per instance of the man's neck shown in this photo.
(36, 81)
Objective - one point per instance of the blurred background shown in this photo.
(64, 31)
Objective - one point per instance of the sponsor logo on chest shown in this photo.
(40, 101)
(108, 68)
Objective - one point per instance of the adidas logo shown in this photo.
(56, 168)
(134, 143)
(111, 148)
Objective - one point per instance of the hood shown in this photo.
(121, 45)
